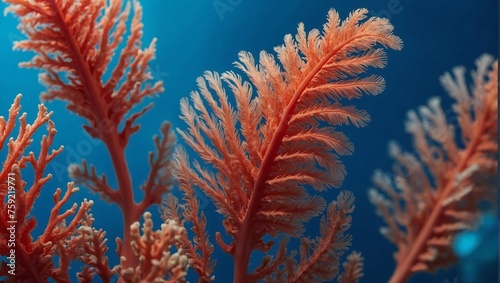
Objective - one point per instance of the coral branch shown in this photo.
(353, 269)
(200, 251)
(90, 179)
(153, 250)
(75, 50)
(323, 262)
(160, 178)
(31, 260)
(435, 196)
(94, 255)
(319, 258)
(261, 157)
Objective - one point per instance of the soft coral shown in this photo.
(75, 44)
(32, 260)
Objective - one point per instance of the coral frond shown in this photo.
(160, 179)
(94, 253)
(263, 153)
(319, 258)
(353, 269)
(75, 43)
(435, 193)
(199, 251)
(89, 178)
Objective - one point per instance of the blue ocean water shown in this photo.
(194, 36)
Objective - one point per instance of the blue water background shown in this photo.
(193, 36)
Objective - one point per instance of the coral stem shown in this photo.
(403, 269)
(126, 196)
(108, 134)
(244, 241)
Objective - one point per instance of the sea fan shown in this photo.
(435, 192)
(262, 157)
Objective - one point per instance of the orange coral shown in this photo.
(156, 258)
(31, 260)
(93, 253)
(75, 42)
(435, 195)
(276, 145)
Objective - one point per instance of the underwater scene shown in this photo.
(249, 141)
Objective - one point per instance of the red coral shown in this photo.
(75, 42)
(353, 269)
(31, 260)
(93, 253)
(435, 193)
(157, 260)
(276, 144)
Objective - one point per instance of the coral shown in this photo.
(75, 43)
(30, 260)
(260, 160)
(353, 268)
(93, 253)
(154, 251)
(435, 191)
(156, 261)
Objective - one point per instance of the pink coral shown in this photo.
(435, 193)
(68, 238)
(32, 260)
(157, 261)
(75, 42)
(276, 144)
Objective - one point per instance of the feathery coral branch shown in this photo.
(319, 258)
(435, 196)
(75, 42)
(276, 144)
(94, 253)
(353, 269)
(201, 249)
(75, 49)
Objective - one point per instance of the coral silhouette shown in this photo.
(75, 42)
(261, 156)
(435, 192)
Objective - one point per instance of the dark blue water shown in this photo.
(194, 36)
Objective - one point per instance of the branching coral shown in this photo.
(93, 253)
(67, 238)
(261, 158)
(75, 43)
(153, 248)
(435, 192)
(30, 260)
